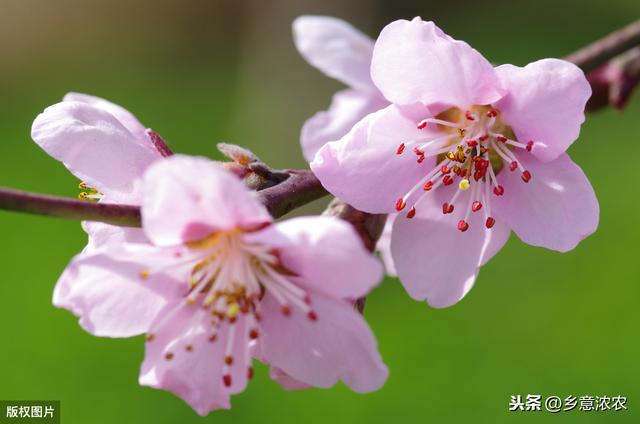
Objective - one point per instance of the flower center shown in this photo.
(471, 148)
(227, 279)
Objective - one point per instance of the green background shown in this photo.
(200, 72)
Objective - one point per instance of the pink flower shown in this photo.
(467, 152)
(342, 52)
(221, 283)
(107, 148)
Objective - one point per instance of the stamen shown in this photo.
(400, 149)
(412, 212)
(463, 225)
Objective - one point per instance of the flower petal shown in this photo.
(93, 145)
(105, 290)
(556, 209)
(325, 253)
(336, 48)
(347, 108)
(434, 260)
(363, 168)
(189, 198)
(126, 118)
(339, 345)
(181, 358)
(384, 247)
(414, 61)
(286, 381)
(103, 234)
(545, 104)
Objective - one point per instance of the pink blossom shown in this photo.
(107, 148)
(342, 52)
(466, 152)
(221, 283)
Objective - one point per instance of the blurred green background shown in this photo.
(202, 71)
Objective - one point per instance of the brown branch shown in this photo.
(601, 51)
(300, 188)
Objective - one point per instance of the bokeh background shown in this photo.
(200, 72)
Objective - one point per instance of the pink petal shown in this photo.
(414, 61)
(105, 290)
(126, 118)
(338, 346)
(384, 247)
(347, 108)
(434, 260)
(93, 145)
(286, 381)
(189, 198)
(181, 358)
(325, 253)
(103, 234)
(556, 209)
(545, 104)
(363, 168)
(336, 48)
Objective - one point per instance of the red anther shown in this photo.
(447, 208)
(529, 145)
(463, 225)
(445, 169)
(463, 173)
(526, 176)
(412, 212)
(250, 373)
(227, 380)
(513, 165)
(469, 116)
(400, 149)
(253, 334)
(286, 311)
(477, 175)
(476, 206)
(418, 151)
(490, 222)
(428, 185)
(420, 159)
(501, 138)
(312, 316)
(307, 299)
(498, 190)
(447, 180)
(472, 143)
(492, 113)
(400, 204)
(213, 338)
(422, 125)
(228, 360)
(483, 137)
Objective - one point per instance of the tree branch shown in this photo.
(301, 187)
(601, 51)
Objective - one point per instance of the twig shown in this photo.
(601, 51)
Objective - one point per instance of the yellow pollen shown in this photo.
(464, 184)
(461, 131)
(232, 310)
(145, 274)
